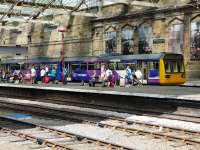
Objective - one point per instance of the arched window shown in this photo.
(175, 38)
(127, 40)
(195, 39)
(145, 39)
(110, 40)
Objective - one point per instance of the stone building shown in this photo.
(122, 27)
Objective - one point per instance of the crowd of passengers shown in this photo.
(48, 74)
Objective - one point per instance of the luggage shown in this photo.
(46, 79)
(122, 82)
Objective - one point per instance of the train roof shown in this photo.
(82, 59)
(157, 56)
(133, 57)
(116, 58)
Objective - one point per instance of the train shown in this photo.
(157, 69)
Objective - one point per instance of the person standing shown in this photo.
(33, 75)
(53, 74)
(46, 69)
(129, 76)
(109, 76)
(42, 74)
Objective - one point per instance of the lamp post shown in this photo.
(62, 52)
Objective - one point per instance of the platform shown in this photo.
(165, 92)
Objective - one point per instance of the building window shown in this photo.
(127, 40)
(195, 40)
(145, 39)
(111, 40)
(175, 42)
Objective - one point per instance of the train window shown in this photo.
(153, 65)
(15, 67)
(180, 66)
(111, 66)
(97, 66)
(174, 66)
(120, 66)
(139, 64)
(83, 66)
(167, 67)
(75, 66)
(90, 66)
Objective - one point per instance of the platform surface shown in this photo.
(177, 92)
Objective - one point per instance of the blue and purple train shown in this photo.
(161, 69)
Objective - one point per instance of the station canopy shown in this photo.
(33, 10)
(30, 10)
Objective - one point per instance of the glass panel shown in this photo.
(84, 66)
(195, 40)
(145, 39)
(75, 66)
(90, 66)
(175, 42)
(127, 41)
(111, 66)
(97, 66)
(120, 66)
(111, 43)
(174, 66)
(154, 65)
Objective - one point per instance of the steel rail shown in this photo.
(43, 141)
(163, 134)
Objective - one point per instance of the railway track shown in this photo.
(137, 111)
(183, 137)
(52, 138)
(55, 139)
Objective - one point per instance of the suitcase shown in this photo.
(122, 82)
(46, 79)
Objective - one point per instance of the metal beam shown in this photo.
(9, 11)
(36, 14)
(144, 4)
(19, 13)
(31, 4)
(78, 5)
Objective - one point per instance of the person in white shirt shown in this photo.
(109, 76)
(33, 75)
(139, 77)
(46, 69)
(42, 74)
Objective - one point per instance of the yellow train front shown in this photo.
(172, 70)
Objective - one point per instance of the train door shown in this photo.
(153, 72)
(69, 71)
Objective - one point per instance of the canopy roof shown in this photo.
(11, 10)
(33, 9)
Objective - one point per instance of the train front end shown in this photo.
(172, 70)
